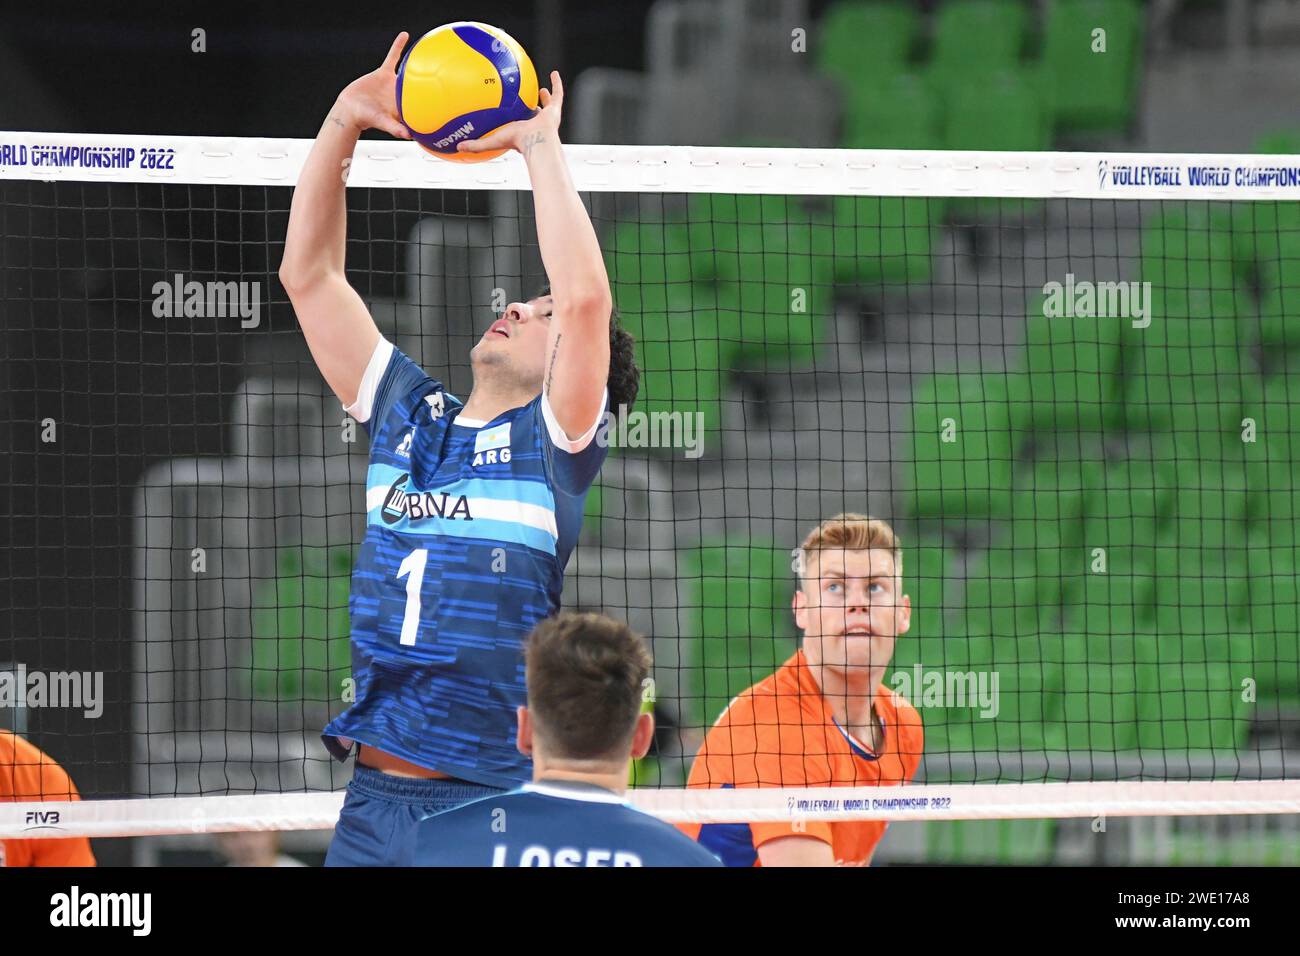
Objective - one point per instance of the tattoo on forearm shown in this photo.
(555, 351)
(531, 140)
(336, 121)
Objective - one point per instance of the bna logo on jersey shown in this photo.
(417, 506)
(395, 501)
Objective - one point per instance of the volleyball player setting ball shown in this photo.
(473, 507)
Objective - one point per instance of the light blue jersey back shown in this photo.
(468, 531)
(554, 824)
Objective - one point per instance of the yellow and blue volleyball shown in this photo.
(460, 82)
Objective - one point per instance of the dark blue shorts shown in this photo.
(381, 811)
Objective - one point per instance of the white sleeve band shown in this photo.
(561, 440)
(365, 403)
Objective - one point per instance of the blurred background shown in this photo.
(934, 292)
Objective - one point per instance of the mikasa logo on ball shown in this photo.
(460, 133)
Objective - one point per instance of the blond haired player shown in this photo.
(824, 719)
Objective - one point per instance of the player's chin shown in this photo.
(857, 650)
(488, 348)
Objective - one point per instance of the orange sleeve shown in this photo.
(53, 783)
(28, 773)
(742, 746)
(46, 781)
(74, 851)
(790, 771)
(817, 829)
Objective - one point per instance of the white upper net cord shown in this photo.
(158, 816)
(213, 160)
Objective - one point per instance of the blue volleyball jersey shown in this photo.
(468, 531)
(554, 824)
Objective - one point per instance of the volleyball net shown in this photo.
(1065, 379)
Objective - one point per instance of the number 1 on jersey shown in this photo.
(412, 565)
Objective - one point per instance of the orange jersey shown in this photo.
(781, 733)
(28, 774)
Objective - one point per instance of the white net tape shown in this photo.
(319, 811)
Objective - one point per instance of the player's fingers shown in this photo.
(557, 85)
(544, 96)
(395, 51)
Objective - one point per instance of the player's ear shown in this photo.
(799, 605)
(643, 736)
(524, 736)
(904, 611)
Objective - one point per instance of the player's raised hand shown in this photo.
(370, 101)
(522, 134)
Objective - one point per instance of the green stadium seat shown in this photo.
(859, 41)
(1011, 593)
(975, 37)
(1093, 93)
(1266, 241)
(1189, 249)
(1119, 602)
(300, 645)
(997, 111)
(1274, 576)
(884, 240)
(1189, 705)
(1279, 142)
(927, 570)
(1266, 238)
(1099, 698)
(1030, 694)
(898, 111)
(1200, 591)
(1156, 691)
(1072, 378)
(1279, 318)
(1266, 244)
(969, 475)
(1045, 538)
(681, 362)
(1272, 460)
(663, 304)
(768, 271)
(1190, 367)
(1123, 519)
(1136, 497)
(1028, 673)
(650, 267)
(739, 628)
